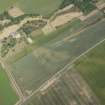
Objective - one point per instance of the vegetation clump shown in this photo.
(7, 44)
(86, 6)
(31, 26)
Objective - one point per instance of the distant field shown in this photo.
(92, 68)
(7, 95)
(4, 4)
(43, 7)
(51, 57)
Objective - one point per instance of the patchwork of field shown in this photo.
(67, 88)
(4, 4)
(40, 65)
(92, 68)
(43, 7)
(7, 94)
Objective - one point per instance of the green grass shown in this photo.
(4, 4)
(43, 7)
(7, 95)
(92, 68)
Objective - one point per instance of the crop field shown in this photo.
(67, 88)
(43, 7)
(7, 95)
(92, 68)
(4, 4)
(51, 57)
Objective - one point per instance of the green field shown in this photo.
(43, 7)
(50, 57)
(4, 4)
(92, 68)
(86, 6)
(7, 95)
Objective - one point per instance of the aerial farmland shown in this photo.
(44, 7)
(52, 52)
